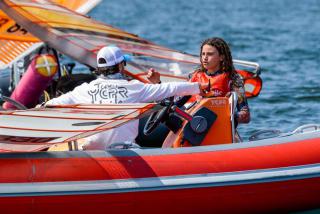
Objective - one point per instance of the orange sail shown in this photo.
(15, 40)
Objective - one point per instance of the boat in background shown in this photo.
(18, 47)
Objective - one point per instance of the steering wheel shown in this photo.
(157, 117)
(17, 104)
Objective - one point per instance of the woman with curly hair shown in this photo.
(217, 69)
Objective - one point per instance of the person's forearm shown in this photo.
(63, 99)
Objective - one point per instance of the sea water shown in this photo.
(283, 36)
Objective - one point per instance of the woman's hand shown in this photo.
(153, 76)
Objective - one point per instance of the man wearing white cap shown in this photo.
(113, 87)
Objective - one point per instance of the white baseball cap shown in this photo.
(110, 56)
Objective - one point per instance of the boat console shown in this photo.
(212, 123)
(208, 122)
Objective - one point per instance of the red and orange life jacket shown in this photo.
(220, 84)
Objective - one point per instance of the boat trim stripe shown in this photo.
(159, 183)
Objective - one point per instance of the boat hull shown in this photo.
(252, 198)
(274, 175)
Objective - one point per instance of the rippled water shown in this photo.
(283, 36)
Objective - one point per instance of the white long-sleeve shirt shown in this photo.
(111, 91)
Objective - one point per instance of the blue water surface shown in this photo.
(283, 36)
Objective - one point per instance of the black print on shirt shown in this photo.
(108, 94)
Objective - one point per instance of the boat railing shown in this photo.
(271, 133)
(306, 128)
(12, 101)
(255, 66)
(233, 105)
(265, 134)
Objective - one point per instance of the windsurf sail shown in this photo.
(35, 129)
(80, 38)
(16, 41)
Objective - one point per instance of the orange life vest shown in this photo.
(220, 84)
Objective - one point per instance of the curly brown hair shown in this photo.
(224, 50)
